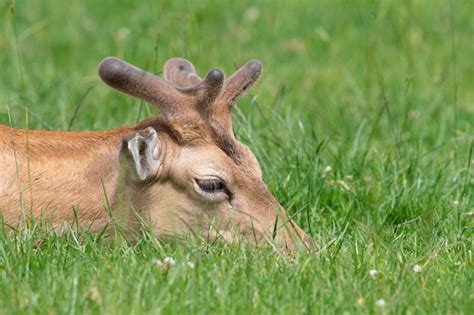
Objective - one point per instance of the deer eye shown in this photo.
(212, 186)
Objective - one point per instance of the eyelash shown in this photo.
(212, 186)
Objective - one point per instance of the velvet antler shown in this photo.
(183, 93)
(174, 101)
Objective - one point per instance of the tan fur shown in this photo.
(51, 173)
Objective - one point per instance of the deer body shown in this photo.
(54, 173)
(181, 171)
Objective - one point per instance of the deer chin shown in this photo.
(285, 245)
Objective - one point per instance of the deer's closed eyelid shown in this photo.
(211, 189)
(213, 185)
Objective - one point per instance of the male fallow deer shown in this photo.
(181, 171)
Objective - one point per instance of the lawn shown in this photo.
(363, 123)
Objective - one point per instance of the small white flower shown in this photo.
(94, 294)
(380, 302)
(122, 33)
(322, 33)
(456, 203)
(164, 265)
(373, 273)
(190, 264)
(327, 169)
(252, 13)
(417, 269)
(169, 261)
(344, 185)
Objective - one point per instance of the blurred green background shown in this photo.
(326, 61)
(362, 121)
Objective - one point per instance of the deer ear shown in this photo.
(141, 151)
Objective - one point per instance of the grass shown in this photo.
(380, 91)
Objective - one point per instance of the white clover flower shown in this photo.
(190, 264)
(322, 34)
(252, 13)
(344, 185)
(373, 273)
(94, 294)
(327, 169)
(169, 261)
(123, 33)
(164, 265)
(380, 302)
(417, 269)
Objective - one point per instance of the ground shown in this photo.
(362, 121)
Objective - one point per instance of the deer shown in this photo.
(181, 171)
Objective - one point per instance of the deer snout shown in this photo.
(296, 238)
(286, 234)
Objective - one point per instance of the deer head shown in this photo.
(185, 169)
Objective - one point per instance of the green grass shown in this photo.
(380, 91)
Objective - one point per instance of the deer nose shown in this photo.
(299, 239)
(309, 242)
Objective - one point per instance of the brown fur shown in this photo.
(52, 173)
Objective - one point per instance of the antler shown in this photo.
(234, 87)
(136, 82)
(180, 72)
(183, 92)
(173, 101)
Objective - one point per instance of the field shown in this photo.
(363, 123)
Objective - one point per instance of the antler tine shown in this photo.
(240, 82)
(144, 85)
(207, 91)
(181, 73)
(234, 87)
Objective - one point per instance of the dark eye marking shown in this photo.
(212, 185)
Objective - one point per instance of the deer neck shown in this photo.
(61, 176)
